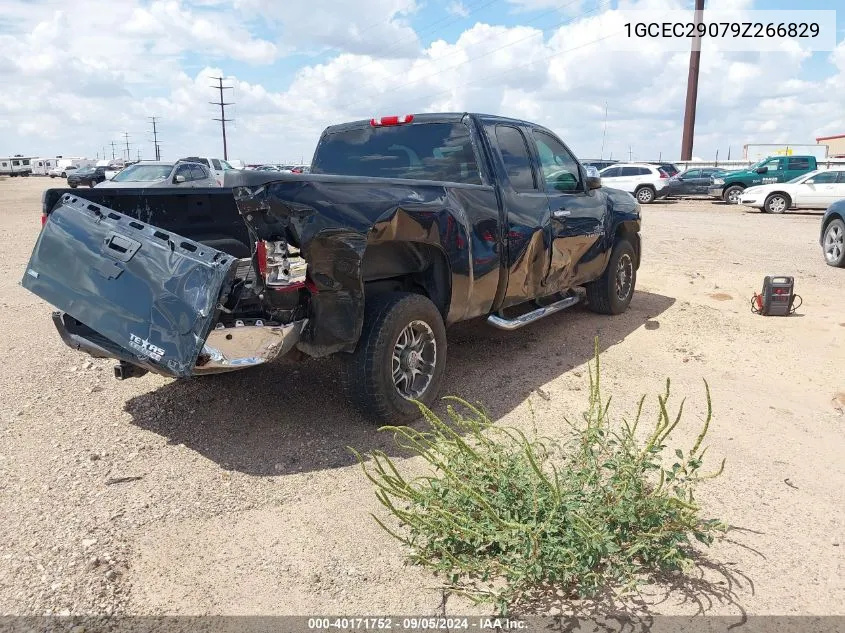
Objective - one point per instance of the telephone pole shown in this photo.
(222, 105)
(113, 155)
(155, 138)
(692, 87)
(126, 138)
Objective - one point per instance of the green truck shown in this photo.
(728, 186)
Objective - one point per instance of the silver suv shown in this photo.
(156, 173)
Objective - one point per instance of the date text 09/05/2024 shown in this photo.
(416, 624)
(722, 29)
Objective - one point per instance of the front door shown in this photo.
(819, 191)
(577, 215)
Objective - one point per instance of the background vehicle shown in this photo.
(62, 171)
(65, 165)
(401, 228)
(599, 164)
(730, 185)
(816, 190)
(87, 177)
(646, 182)
(16, 165)
(41, 166)
(161, 174)
(692, 182)
(217, 166)
(669, 168)
(832, 238)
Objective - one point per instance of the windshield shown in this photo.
(143, 173)
(226, 165)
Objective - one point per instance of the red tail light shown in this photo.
(391, 120)
(43, 219)
(663, 174)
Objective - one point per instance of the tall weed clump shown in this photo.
(503, 516)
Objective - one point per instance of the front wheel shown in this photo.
(612, 292)
(72, 186)
(776, 203)
(834, 243)
(732, 194)
(400, 357)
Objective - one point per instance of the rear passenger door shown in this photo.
(527, 218)
(577, 215)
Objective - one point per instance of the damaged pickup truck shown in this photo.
(405, 225)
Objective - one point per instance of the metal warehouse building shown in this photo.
(835, 145)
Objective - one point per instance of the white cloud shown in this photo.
(72, 86)
(457, 8)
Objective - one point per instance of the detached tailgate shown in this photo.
(152, 293)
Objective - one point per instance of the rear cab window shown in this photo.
(415, 151)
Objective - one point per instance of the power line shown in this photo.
(155, 138)
(222, 105)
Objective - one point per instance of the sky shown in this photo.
(77, 76)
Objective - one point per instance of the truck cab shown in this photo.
(772, 169)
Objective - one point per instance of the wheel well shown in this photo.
(410, 267)
(645, 186)
(626, 233)
(831, 218)
(782, 193)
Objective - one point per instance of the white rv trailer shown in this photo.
(42, 166)
(15, 165)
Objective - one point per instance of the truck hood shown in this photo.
(154, 295)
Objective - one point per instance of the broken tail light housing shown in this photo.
(281, 268)
(391, 120)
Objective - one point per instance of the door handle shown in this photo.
(561, 213)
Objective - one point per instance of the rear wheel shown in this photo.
(612, 292)
(776, 203)
(645, 195)
(833, 243)
(400, 357)
(732, 194)
(64, 175)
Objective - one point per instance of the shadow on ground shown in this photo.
(286, 418)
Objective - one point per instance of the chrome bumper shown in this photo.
(242, 346)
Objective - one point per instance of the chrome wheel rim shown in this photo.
(833, 244)
(414, 359)
(777, 205)
(733, 196)
(644, 195)
(624, 277)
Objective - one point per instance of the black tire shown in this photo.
(91, 184)
(72, 186)
(52, 176)
(645, 195)
(833, 245)
(731, 194)
(603, 294)
(777, 203)
(368, 373)
(64, 175)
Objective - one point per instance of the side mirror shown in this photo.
(762, 170)
(178, 179)
(593, 182)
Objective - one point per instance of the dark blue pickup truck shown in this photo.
(405, 225)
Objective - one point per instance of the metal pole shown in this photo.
(222, 118)
(692, 88)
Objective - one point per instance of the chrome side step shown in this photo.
(535, 315)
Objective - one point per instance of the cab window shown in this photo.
(560, 169)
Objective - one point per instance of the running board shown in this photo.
(535, 315)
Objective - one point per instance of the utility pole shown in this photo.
(139, 154)
(155, 138)
(692, 87)
(113, 155)
(604, 132)
(126, 138)
(222, 118)
(630, 154)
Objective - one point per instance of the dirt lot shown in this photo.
(249, 501)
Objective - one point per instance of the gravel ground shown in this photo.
(243, 498)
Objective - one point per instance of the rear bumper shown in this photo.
(662, 192)
(226, 348)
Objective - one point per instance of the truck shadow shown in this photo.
(291, 418)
